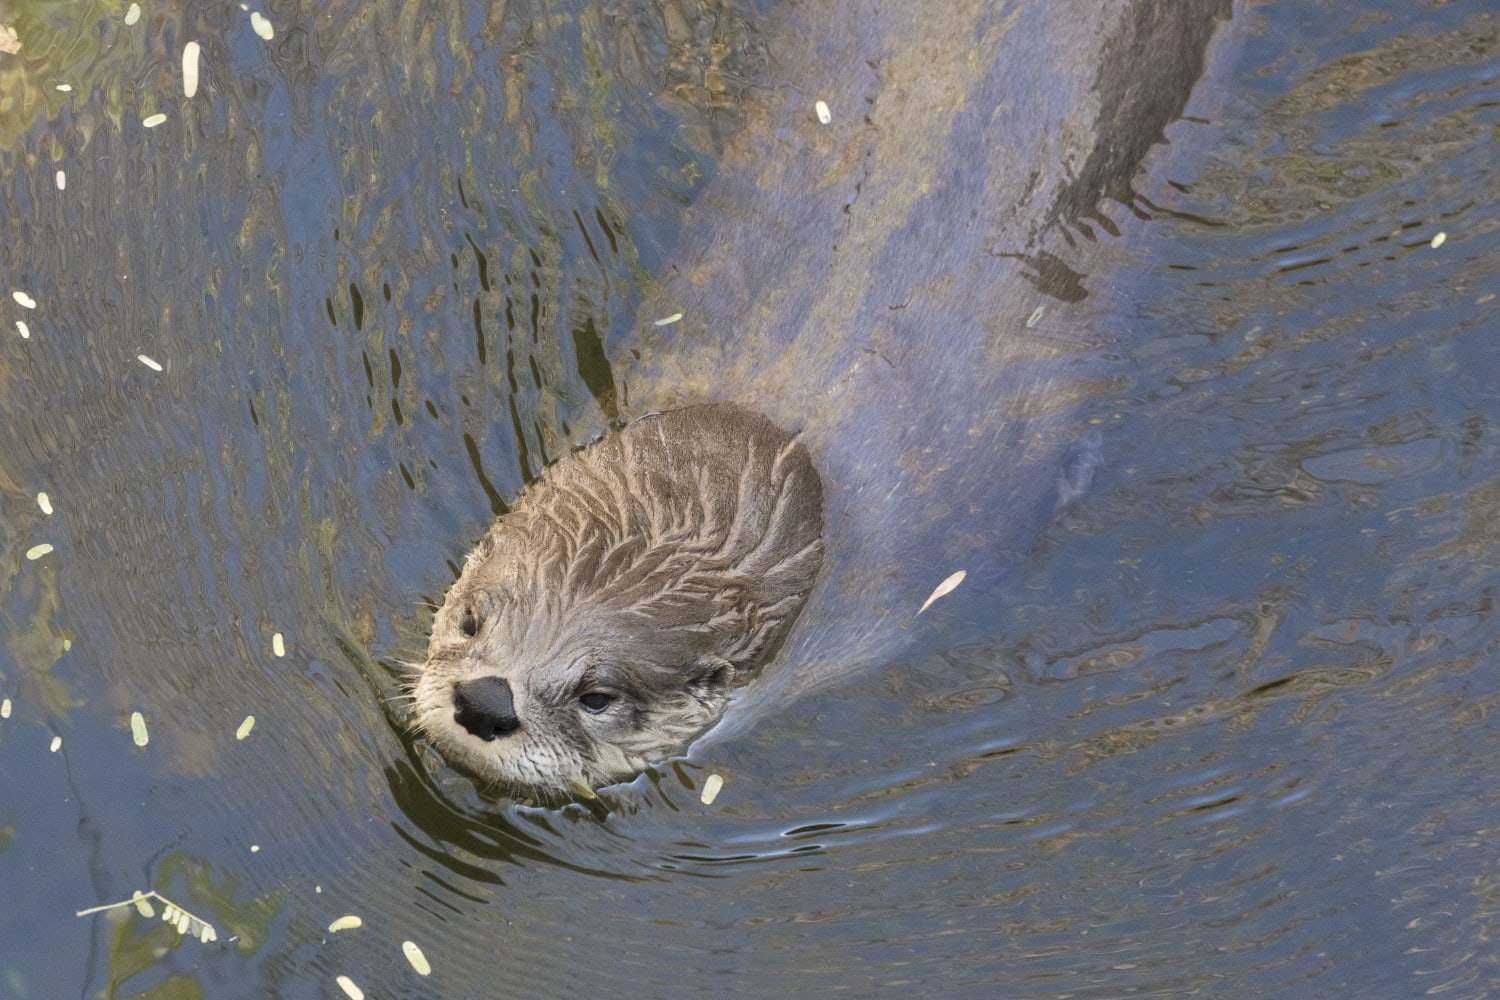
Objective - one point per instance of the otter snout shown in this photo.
(484, 707)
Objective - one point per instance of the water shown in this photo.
(1227, 730)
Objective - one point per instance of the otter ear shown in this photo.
(711, 675)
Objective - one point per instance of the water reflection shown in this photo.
(1226, 730)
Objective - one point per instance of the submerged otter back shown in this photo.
(928, 284)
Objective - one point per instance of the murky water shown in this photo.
(1228, 730)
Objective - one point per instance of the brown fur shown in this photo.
(662, 566)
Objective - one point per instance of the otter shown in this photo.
(605, 620)
(925, 283)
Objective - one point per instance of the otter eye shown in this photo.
(595, 702)
(468, 623)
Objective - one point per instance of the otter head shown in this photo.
(604, 622)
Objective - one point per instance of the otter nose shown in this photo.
(484, 707)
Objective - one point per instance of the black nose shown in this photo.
(483, 706)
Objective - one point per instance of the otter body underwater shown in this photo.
(893, 320)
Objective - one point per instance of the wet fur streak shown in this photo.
(658, 569)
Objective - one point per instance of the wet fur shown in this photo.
(663, 565)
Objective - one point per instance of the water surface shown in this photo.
(1228, 730)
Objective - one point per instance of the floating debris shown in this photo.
(1439, 240)
(261, 25)
(350, 990)
(10, 42)
(150, 363)
(153, 120)
(190, 53)
(65, 88)
(56, 744)
(62, 180)
(24, 300)
(416, 958)
(278, 644)
(948, 586)
(45, 503)
(711, 786)
(345, 923)
(138, 729)
(245, 727)
(181, 920)
(1036, 316)
(23, 330)
(37, 551)
(133, 14)
(824, 115)
(669, 320)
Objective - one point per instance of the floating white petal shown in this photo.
(345, 923)
(45, 503)
(278, 644)
(711, 786)
(948, 586)
(669, 320)
(138, 729)
(350, 990)
(133, 14)
(261, 25)
(62, 180)
(190, 68)
(5, 709)
(37, 551)
(1439, 240)
(56, 744)
(24, 300)
(824, 115)
(416, 958)
(152, 121)
(150, 363)
(23, 330)
(245, 727)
